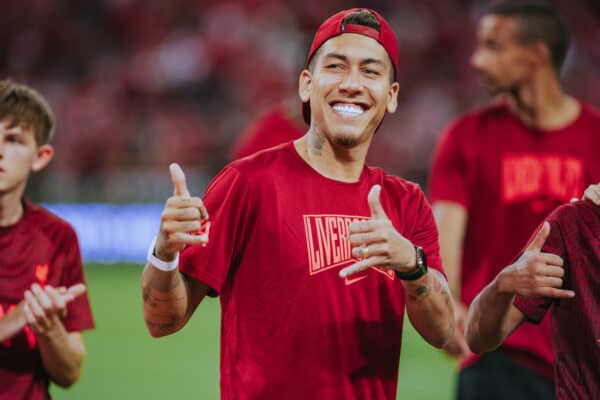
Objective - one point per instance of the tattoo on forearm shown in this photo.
(431, 284)
(422, 290)
(447, 297)
(162, 327)
(440, 286)
(176, 281)
(444, 289)
(158, 311)
(156, 299)
(160, 299)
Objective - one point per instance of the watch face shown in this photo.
(422, 260)
(419, 251)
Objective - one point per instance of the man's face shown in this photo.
(19, 155)
(501, 61)
(349, 89)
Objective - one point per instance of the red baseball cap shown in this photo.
(334, 26)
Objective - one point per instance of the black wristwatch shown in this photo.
(419, 270)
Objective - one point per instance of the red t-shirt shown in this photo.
(575, 323)
(291, 327)
(39, 248)
(270, 129)
(509, 177)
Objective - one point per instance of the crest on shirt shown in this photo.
(328, 245)
(41, 273)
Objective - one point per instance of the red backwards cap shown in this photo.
(334, 26)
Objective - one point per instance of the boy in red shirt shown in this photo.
(43, 307)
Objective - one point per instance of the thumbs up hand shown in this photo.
(377, 242)
(181, 218)
(178, 179)
(535, 274)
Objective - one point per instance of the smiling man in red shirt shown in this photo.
(314, 255)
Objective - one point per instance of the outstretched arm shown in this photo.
(428, 299)
(493, 316)
(169, 297)
(491, 319)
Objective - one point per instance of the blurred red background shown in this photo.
(136, 84)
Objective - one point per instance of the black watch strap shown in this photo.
(419, 270)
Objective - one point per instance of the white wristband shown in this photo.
(160, 264)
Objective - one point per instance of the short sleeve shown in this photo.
(534, 308)
(425, 233)
(449, 174)
(226, 200)
(79, 314)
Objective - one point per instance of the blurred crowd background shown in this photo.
(137, 84)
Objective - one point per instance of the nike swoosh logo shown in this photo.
(350, 281)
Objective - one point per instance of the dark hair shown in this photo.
(24, 106)
(360, 17)
(539, 23)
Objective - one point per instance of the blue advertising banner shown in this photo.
(110, 233)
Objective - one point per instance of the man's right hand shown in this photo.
(180, 219)
(535, 274)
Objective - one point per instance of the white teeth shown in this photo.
(348, 110)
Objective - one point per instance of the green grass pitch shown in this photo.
(124, 362)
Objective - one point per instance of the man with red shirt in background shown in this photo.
(498, 172)
(43, 307)
(315, 256)
(565, 254)
(279, 124)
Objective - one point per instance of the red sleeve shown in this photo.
(79, 313)
(449, 174)
(425, 233)
(534, 308)
(226, 200)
